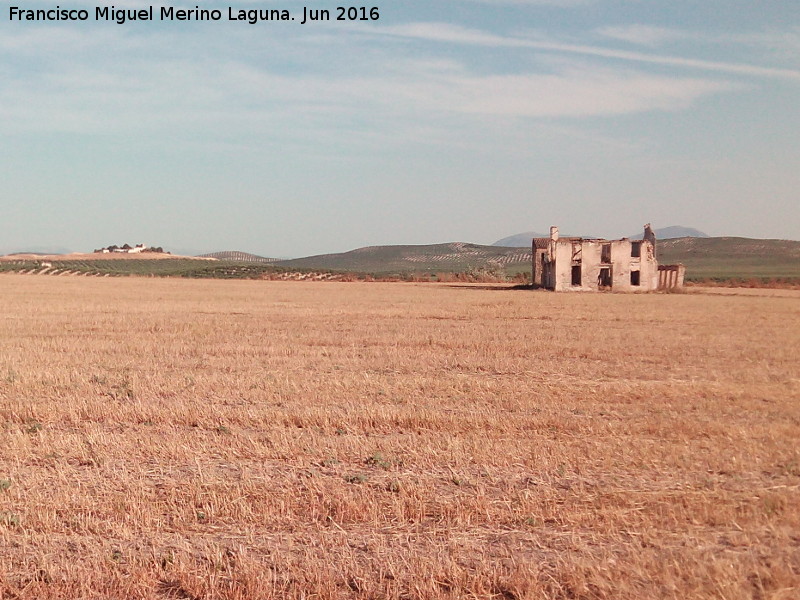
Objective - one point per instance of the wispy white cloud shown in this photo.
(444, 32)
(164, 87)
(284, 121)
(645, 35)
(581, 92)
(778, 44)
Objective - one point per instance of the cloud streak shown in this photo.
(645, 35)
(443, 32)
(97, 92)
(777, 44)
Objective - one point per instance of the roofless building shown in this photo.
(591, 264)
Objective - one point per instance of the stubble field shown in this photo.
(242, 439)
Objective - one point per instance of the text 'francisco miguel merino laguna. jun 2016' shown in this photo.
(252, 16)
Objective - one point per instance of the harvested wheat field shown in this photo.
(242, 440)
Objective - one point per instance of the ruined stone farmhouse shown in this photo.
(589, 264)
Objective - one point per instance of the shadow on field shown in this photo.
(496, 287)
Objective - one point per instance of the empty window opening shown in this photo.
(604, 279)
(605, 253)
(576, 275)
(636, 278)
(636, 249)
(577, 251)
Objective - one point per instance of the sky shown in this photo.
(442, 120)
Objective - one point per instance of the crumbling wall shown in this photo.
(671, 277)
(620, 265)
(577, 264)
(539, 252)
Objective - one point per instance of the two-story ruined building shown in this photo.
(581, 264)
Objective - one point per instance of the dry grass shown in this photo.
(237, 440)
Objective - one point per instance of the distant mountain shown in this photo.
(523, 240)
(237, 256)
(452, 257)
(520, 240)
(671, 232)
(35, 250)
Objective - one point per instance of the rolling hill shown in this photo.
(237, 256)
(452, 257)
(704, 257)
(721, 258)
(519, 240)
(41, 250)
(523, 240)
(732, 257)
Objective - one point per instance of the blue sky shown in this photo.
(457, 120)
